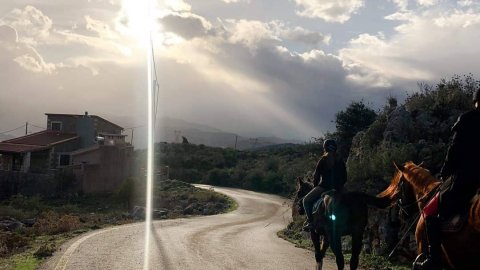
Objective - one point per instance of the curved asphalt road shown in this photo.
(243, 239)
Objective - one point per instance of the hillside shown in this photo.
(418, 130)
(271, 170)
(172, 130)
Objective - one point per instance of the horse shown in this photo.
(460, 248)
(345, 213)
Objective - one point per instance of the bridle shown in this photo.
(401, 200)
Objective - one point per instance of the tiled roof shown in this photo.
(36, 141)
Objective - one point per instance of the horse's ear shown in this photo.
(398, 167)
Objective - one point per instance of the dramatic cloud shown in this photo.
(186, 25)
(329, 10)
(228, 63)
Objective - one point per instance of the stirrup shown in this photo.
(425, 262)
(307, 226)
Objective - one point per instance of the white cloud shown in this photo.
(101, 28)
(428, 46)
(401, 4)
(306, 36)
(329, 10)
(427, 3)
(465, 3)
(177, 5)
(35, 63)
(235, 1)
(31, 22)
(401, 16)
(252, 33)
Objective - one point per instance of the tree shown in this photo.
(356, 117)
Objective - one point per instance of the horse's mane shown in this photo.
(420, 178)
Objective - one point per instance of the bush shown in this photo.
(11, 242)
(53, 223)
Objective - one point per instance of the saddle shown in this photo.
(452, 224)
(319, 205)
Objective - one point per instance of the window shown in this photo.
(56, 126)
(63, 160)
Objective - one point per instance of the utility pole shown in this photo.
(236, 139)
(26, 128)
(131, 138)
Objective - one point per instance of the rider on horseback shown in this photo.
(461, 164)
(330, 173)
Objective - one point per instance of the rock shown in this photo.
(190, 209)
(159, 213)
(11, 224)
(29, 222)
(138, 212)
(398, 125)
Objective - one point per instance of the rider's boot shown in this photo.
(308, 226)
(433, 259)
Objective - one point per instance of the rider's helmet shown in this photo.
(330, 145)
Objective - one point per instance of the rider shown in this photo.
(330, 173)
(461, 164)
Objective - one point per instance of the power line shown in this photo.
(22, 126)
(30, 124)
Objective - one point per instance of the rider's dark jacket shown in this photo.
(330, 174)
(463, 158)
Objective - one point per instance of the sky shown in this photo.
(253, 67)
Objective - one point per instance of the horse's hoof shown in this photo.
(319, 265)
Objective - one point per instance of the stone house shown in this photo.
(90, 146)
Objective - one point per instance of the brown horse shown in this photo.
(343, 214)
(461, 249)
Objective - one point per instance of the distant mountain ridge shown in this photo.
(172, 130)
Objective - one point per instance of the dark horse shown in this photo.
(343, 214)
(461, 249)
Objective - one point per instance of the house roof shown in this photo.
(19, 148)
(36, 141)
(81, 115)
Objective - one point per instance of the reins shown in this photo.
(427, 197)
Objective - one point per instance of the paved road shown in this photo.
(243, 239)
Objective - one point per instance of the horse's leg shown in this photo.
(316, 244)
(323, 249)
(336, 246)
(357, 239)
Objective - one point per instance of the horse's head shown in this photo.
(410, 186)
(303, 187)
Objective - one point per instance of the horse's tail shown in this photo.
(371, 200)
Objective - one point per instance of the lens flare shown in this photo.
(148, 206)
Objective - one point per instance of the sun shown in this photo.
(137, 20)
